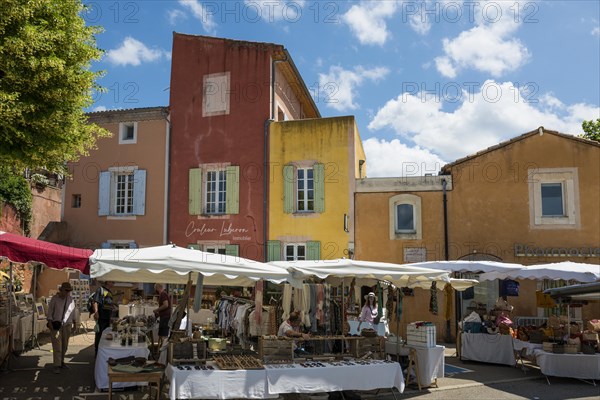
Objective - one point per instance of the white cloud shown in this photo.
(133, 52)
(175, 16)
(494, 113)
(596, 31)
(393, 158)
(273, 11)
(338, 86)
(367, 20)
(99, 108)
(490, 46)
(200, 12)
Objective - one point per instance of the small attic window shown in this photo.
(127, 132)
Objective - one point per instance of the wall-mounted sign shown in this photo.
(415, 254)
(225, 230)
(523, 250)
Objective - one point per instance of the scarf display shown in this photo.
(433, 305)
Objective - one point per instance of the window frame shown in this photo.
(223, 81)
(76, 200)
(397, 228)
(305, 191)
(295, 246)
(123, 129)
(415, 202)
(569, 180)
(128, 197)
(218, 171)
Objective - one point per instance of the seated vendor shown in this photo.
(291, 328)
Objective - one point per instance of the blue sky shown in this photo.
(428, 81)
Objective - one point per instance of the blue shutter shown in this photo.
(105, 245)
(139, 192)
(133, 245)
(104, 193)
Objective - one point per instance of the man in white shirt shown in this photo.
(61, 316)
(291, 328)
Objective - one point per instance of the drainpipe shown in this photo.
(166, 117)
(266, 159)
(446, 256)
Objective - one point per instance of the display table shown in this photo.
(519, 344)
(430, 360)
(495, 349)
(276, 379)
(580, 366)
(113, 348)
(375, 374)
(217, 384)
(22, 329)
(140, 377)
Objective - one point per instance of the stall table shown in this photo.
(429, 359)
(217, 384)
(113, 348)
(519, 344)
(495, 349)
(335, 376)
(140, 377)
(136, 309)
(579, 366)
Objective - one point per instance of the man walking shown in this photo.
(61, 316)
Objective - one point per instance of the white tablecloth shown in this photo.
(496, 349)
(431, 360)
(298, 379)
(136, 309)
(217, 384)
(113, 348)
(581, 366)
(519, 344)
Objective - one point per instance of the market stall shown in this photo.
(24, 250)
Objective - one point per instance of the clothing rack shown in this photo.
(238, 299)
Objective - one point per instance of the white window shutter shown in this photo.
(139, 192)
(104, 193)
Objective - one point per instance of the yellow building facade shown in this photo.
(313, 167)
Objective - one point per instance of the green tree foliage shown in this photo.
(591, 129)
(15, 190)
(45, 83)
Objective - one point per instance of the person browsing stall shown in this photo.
(164, 313)
(291, 328)
(61, 316)
(369, 311)
(103, 310)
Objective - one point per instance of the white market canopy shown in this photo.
(469, 266)
(566, 270)
(398, 274)
(457, 284)
(172, 264)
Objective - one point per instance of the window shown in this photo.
(215, 98)
(216, 250)
(127, 132)
(123, 199)
(405, 217)
(553, 198)
(295, 252)
(76, 201)
(119, 244)
(214, 190)
(304, 188)
(310, 250)
(222, 247)
(122, 192)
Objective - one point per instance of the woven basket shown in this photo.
(368, 332)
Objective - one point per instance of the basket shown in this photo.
(588, 348)
(570, 349)
(368, 332)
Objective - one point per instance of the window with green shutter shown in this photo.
(232, 250)
(288, 189)
(313, 250)
(195, 191)
(273, 250)
(232, 203)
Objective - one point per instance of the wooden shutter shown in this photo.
(273, 250)
(319, 177)
(139, 192)
(104, 193)
(195, 191)
(232, 250)
(288, 188)
(313, 250)
(232, 201)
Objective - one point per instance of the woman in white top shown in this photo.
(368, 314)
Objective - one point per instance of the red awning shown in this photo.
(23, 249)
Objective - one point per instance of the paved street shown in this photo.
(30, 377)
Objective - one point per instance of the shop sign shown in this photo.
(523, 250)
(415, 254)
(226, 229)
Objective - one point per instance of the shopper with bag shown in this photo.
(61, 316)
(103, 310)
